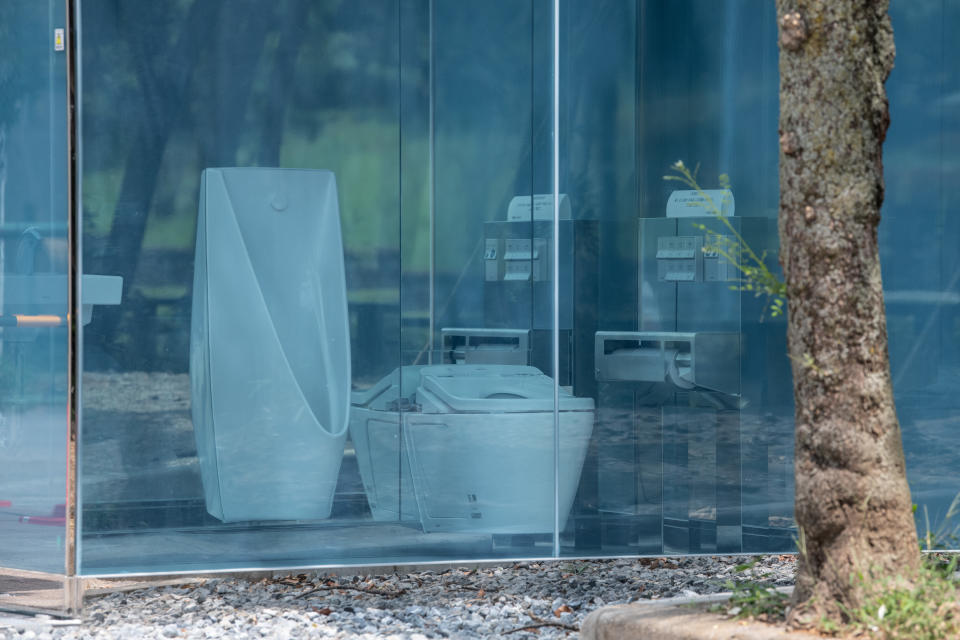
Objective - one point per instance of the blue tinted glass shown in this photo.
(492, 272)
(692, 444)
(33, 286)
(919, 240)
(709, 467)
(336, 337)
(297, 196)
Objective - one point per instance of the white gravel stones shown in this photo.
(522, 601)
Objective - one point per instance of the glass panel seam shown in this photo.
(556, 278)
(74, 269)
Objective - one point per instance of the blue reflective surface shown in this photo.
(704, 77)
(919, 240)
(431, 128)
(696, 461)
(33, 282)
(674, 425)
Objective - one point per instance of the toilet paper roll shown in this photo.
(676, 374)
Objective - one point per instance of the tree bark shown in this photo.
(853, 505)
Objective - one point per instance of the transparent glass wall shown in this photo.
(920, 252)
(692, 447)
(341, 337)
(33, 289)
(334, 343)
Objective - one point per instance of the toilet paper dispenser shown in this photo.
(486, 346)
(704, 360)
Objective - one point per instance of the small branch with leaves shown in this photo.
(755, 275)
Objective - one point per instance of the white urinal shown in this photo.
(269, 343)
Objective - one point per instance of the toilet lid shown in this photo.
(496, 388)
(399, 382)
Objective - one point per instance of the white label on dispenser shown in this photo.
(58, 40)
(542, 205)
(696, 204)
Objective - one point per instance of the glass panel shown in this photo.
(492, 278)
(692, 448)
(219, 429)
(226, 423)
(919, 240)
(682, 461)
(33, 296)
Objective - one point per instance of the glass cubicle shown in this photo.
(339, 316)
(33, 260)
(260, 397)
(33, 305)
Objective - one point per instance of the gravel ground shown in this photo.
(525, 600)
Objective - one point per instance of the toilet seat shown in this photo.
(491, 389)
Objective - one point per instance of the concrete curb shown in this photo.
(38, 623)
(679, 619)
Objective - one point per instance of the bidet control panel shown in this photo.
(516, 259)
(519, 287)
(687, 281)
(693, 259)
(679, 258)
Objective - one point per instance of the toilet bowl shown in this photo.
(376, 433)
(476, 444)
(269, 344)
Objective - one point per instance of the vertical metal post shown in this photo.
(556, 278)
(432, 187)
(73, 586)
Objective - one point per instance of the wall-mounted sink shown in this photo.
(46, 293)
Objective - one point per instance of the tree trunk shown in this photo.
(853, 505)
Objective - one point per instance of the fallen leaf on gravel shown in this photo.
(562, 609)
(324, 612)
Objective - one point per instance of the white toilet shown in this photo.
(378, 442)
(476, 442)
(269, 343)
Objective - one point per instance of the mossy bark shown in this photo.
(853, 504)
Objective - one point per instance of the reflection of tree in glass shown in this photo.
(16, 85)
(187, 76)
(172, 88)
(22, 49)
